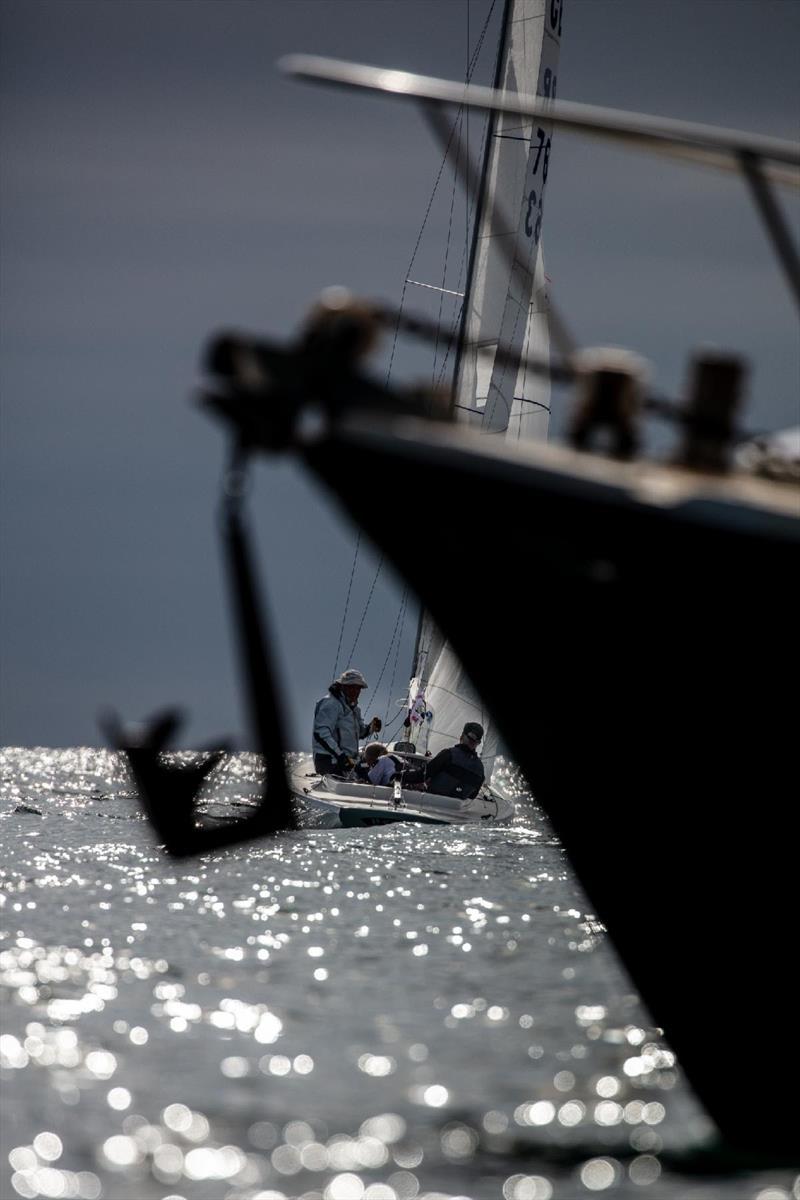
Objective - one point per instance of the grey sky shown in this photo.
(160, 180)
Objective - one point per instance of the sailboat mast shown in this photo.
(418, 661)
(505, 304)
(480, 199)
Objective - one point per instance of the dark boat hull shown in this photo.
(359, 818)
(638, 675)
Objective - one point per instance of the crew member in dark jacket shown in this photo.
(458, 771)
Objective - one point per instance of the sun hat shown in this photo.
(352, 677)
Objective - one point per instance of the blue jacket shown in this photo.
(385, 769)
(337, 727)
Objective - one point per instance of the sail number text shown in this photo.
(542, 153)
(533, 231)
(541, 158)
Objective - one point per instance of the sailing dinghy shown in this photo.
(505, 304)
(357, 803)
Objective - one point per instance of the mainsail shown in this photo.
(505, 304)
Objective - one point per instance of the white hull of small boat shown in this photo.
(358, 804)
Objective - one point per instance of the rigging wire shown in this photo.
(460, 122)
(346, 606)
(440, 172)
(396, 660)
(366, 606)
(397, 633)
(456, 124)
(391, 640)
(462, 146)
(391, 724)
(469, 210)
(469, 216)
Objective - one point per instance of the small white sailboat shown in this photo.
(359, 803)
(505, 304)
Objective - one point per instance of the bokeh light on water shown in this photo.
(396, 1014)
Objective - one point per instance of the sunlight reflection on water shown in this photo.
(377, 1014)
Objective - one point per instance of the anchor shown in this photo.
(168, 791)
(261, 391)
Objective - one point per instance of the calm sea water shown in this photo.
(332, 1014)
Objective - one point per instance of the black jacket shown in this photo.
(456, 771)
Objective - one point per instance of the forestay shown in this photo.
(505, 304)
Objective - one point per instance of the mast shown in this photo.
(480, 199)
(505, 304)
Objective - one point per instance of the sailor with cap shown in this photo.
(338, 724)
(457, 771)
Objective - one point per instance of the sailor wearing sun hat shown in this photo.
(338, 724)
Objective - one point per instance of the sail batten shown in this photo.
(505, 305)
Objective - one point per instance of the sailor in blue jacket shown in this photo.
(339, 725)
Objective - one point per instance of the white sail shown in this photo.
(505, 304)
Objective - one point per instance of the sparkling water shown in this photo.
(336, 1014)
